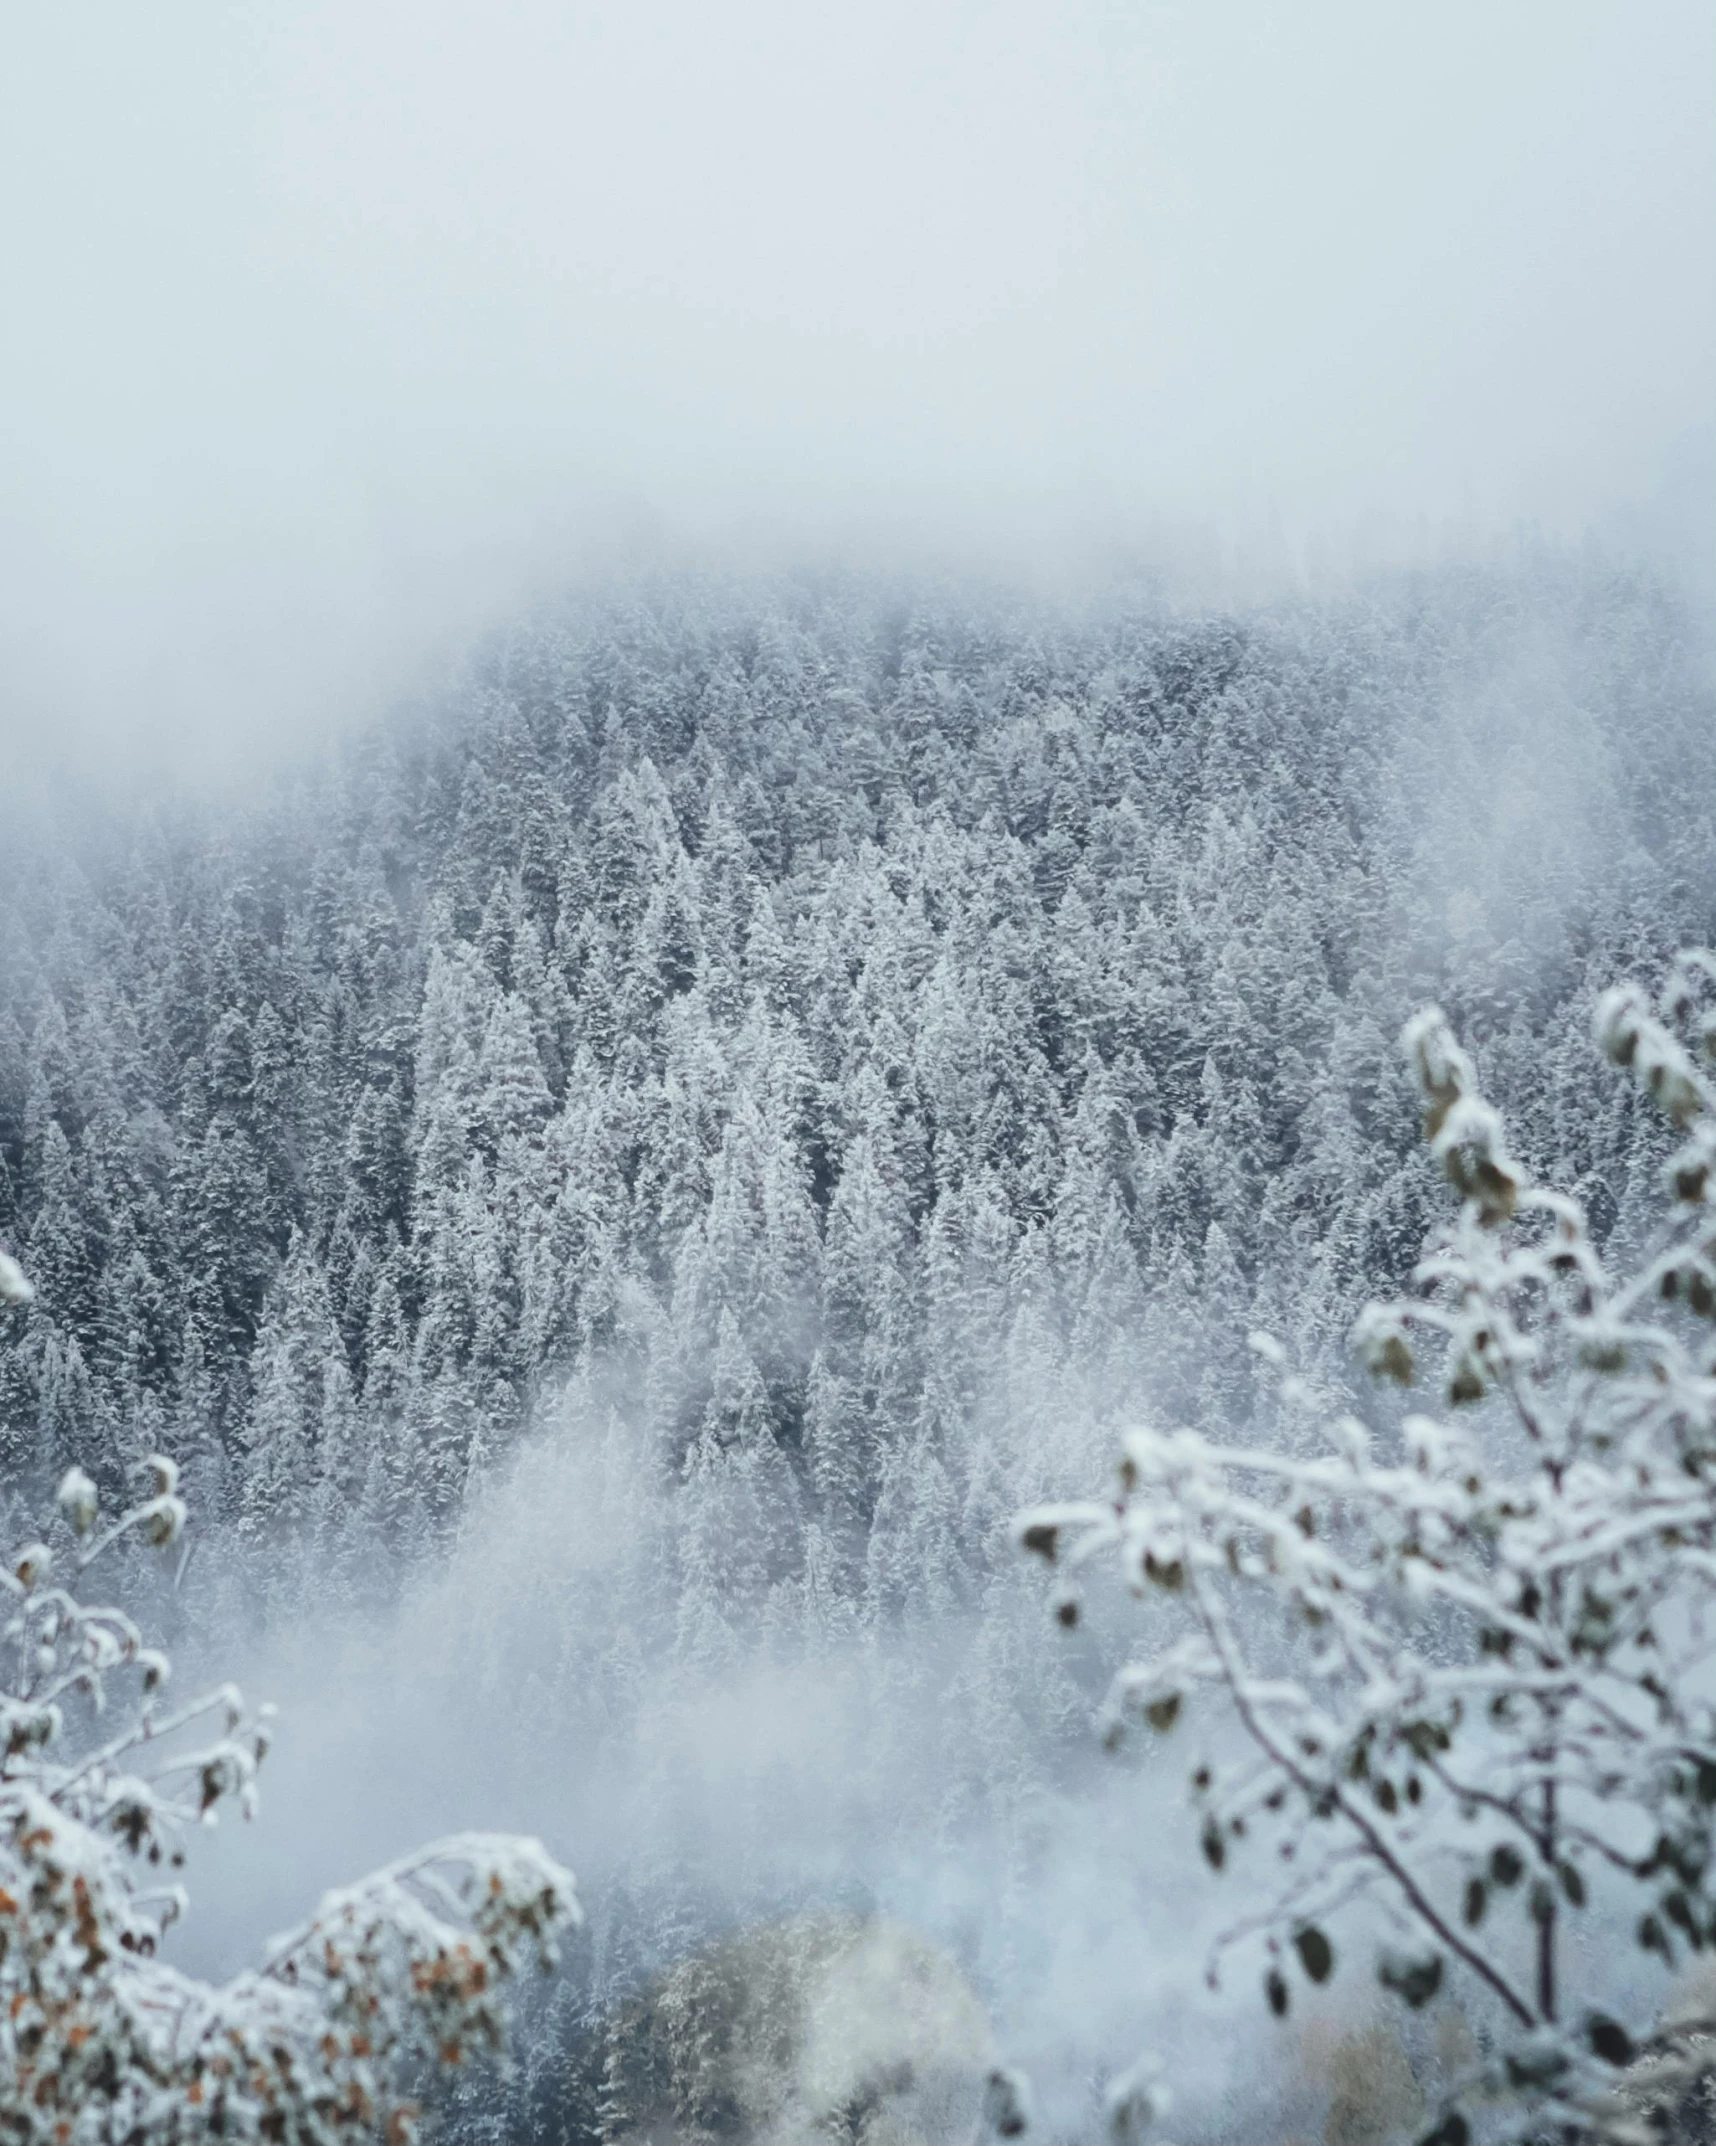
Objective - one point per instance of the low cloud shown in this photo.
(333, 334)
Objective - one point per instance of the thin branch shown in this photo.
(1359, 1820)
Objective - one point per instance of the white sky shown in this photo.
(325, 323)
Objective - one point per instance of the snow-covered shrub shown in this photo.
(102, 1778)
(1464, 1665)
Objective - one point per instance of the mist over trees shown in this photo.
(859, 1016)
(862, 1043)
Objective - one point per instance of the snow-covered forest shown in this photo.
(854, 1044)
(863, 1016)
(858, 1074)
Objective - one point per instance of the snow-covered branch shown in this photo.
(1464, 1657)
(101, 2040)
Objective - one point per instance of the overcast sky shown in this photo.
(327, 323)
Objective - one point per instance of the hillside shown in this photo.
(631, 1172)
(876, 1023)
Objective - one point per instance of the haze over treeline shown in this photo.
(333, 333)
(793, 1067)
(810, 992)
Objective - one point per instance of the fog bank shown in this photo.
(332, 334)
